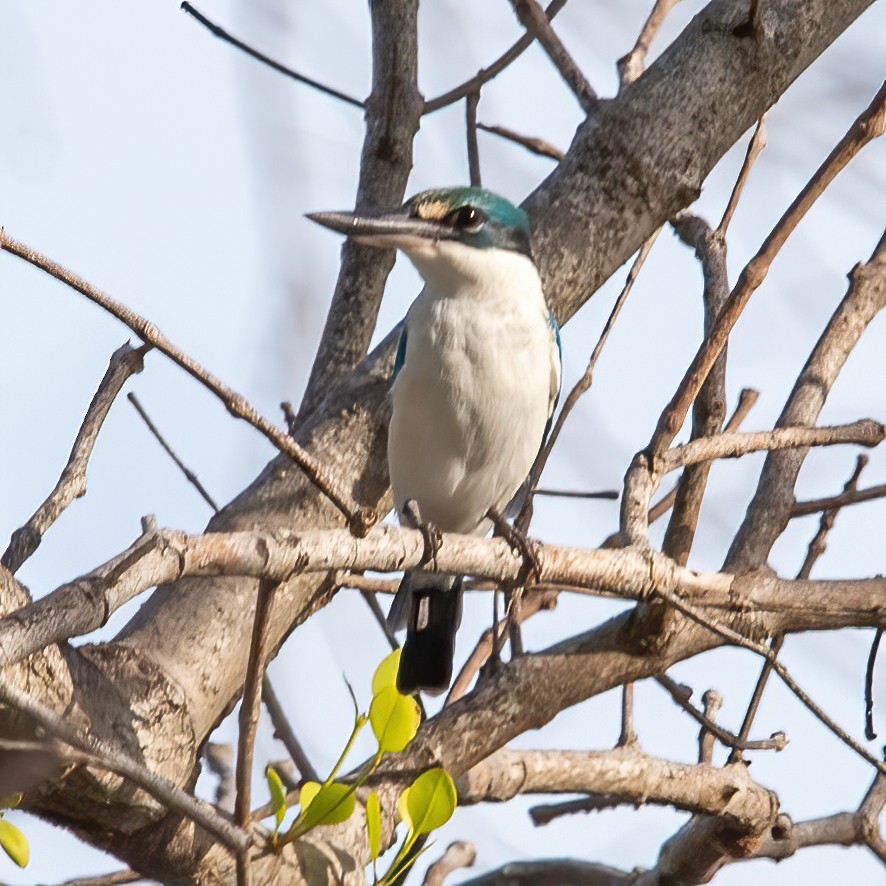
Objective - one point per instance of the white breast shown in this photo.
(473, 397)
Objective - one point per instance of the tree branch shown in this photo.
(393, 112)
(125, 361)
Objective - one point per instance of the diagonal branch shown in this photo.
(534, 19)
(868, 126)
(770, 509)
(235, 403)
(125, 361)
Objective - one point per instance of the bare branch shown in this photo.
(393, 112)
(534, 603)
(631, 65)
(235, 403)
(865, 432)
(775, 604)
(626, 773)
(709, 408)
(856, 496)
(534, 19)
(681, 695)
(284, 731)
(94, 751)
(222, 34)
(191, 477)
(584, 383)
(250, 705)
(484, 75)
(746, 400)
(472, 99)
(755, 146)
(770, 509)
(868, 125)
(457, 855)
(535, 145)
(125, 361)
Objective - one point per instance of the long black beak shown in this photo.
(385, 228)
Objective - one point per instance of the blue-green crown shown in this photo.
(504, 225)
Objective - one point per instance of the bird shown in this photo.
(476, 380)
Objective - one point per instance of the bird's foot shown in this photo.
(521, 543)
(430, 533)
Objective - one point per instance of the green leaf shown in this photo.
(386, 673)
(373, 824)
(324, 804)
(428, 803)
(14, 843)
(10, 801)
(278, 796)
(395, 719)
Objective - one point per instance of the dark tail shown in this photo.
(434, 617)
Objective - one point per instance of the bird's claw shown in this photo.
(432, 536)
(521, 543)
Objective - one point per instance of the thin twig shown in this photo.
(96, 752)
(757, 696)
(681, 695)
(481, 653)
(284, 731)
(125, 361)
(746, 400)
(584, 383)
(472, 99)
(547, 812)
(536, 145)
(755, 146)
(189, 474)
(534, 19)
(631, 65)
(628, 734)
(712, 701)
(360, 519)
(869, 125)
(728, 634)
(869, 733)
(251, 702)
(484, 75)
(856, 496)
(281, 69)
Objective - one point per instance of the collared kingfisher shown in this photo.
(476, 381)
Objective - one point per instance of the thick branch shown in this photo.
(626, 773)
(393, 111)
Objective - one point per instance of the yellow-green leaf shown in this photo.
(10, 801)
(395, 719)
(373, 824)
(386, 673)
(278, 795)
(324, 804)
(429, 801)
(14, 843)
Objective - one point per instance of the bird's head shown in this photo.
(446, 232)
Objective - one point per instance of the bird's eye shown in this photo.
(468, 218)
